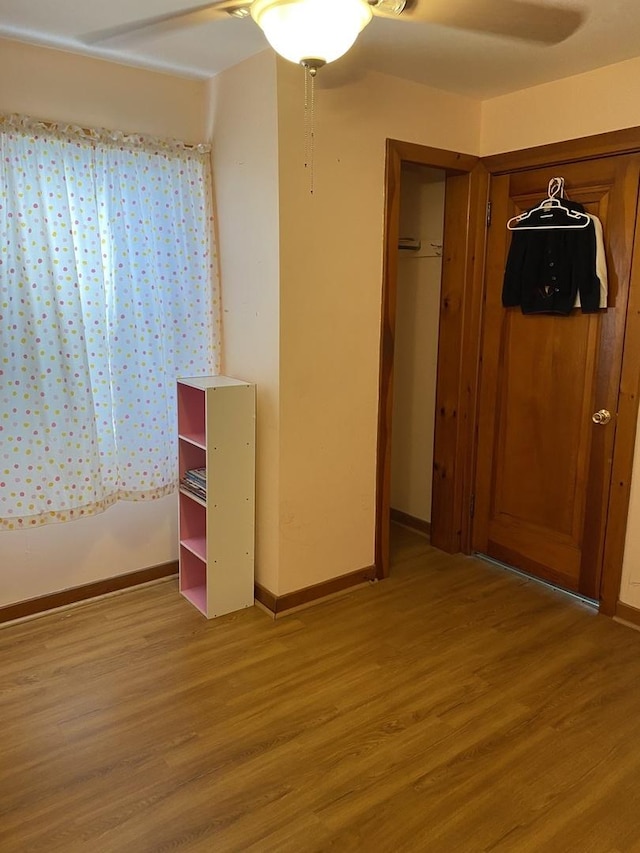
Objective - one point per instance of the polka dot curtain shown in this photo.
(108, 293)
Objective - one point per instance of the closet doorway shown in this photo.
(422, 194)
(465, 197)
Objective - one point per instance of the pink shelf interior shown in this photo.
(193, 521)
(193, 578)
(191, 415)
(193, 526)
(197, 595)
(197, 438)
(190, 456)
(192, 497)
(197, 545)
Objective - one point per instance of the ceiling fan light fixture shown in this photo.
(320, 31)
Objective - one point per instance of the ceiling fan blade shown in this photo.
(520, 20)
(169, 21)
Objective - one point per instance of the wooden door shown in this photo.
(543, 467)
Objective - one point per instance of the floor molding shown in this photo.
(276, 605)
(410, 521)
(280, 604)
(627, 614)
(266, 598)
(77, 594)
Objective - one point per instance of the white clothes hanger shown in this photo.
(550, 214)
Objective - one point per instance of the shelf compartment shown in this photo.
(197, 545)
(190, 456)
(197, 595)
(193, 517)
(191, 413)
(197, 439)
(193, 578)
(192, 496)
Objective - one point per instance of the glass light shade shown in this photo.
(311, 29)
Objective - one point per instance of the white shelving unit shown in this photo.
(216, 431)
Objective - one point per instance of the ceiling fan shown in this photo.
(314, 32)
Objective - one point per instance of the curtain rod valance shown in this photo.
(28, 126)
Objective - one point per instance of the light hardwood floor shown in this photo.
(453, 707)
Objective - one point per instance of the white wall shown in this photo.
(595, 102)
(416, 343)
(54, 85)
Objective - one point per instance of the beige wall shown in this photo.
(416, 342)
(54, 85)
(301, 279)
(243, 103)
(330, 304)
(596, 102)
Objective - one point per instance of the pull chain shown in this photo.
(309, 121)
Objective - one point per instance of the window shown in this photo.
(108, 293)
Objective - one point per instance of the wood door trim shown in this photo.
(624, 444)
(459, 338)
(458, 360)
(608, 144)
(393, 168)
(438, 158)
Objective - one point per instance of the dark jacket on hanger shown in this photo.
(547, 267)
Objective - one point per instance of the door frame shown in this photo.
(466, 196)
(466, 193)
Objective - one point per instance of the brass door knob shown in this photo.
(601, 417)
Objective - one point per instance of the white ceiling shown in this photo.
(468, 63)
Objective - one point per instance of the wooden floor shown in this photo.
(453, 707)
